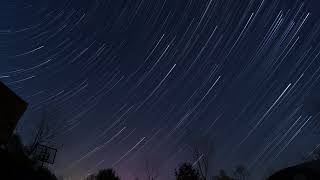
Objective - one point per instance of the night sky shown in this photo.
(121, 81)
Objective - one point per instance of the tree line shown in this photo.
(201, 150)
(185, 171)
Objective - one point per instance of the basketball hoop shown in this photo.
(45, 154)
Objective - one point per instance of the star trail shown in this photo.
(122, 80)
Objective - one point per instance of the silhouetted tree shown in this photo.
(222, 176)
(45, 132)
(107, 174)
(151, 170)
(187, 172)
(241, 173)
(203, 151)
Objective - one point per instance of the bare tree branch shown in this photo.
(202, 151)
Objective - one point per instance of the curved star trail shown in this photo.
(122, 79)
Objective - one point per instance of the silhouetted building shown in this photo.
(12, 108)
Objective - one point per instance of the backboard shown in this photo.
(45, 154)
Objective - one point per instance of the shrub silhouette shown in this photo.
(187, 172)
(107, 174)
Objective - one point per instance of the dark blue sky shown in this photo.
(122, 81)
